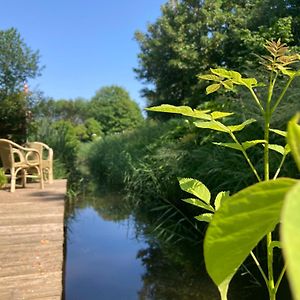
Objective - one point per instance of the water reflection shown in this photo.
(105, 260)
(101, 259)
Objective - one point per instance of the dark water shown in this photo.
(104, 260)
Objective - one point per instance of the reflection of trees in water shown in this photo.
(165, 279)
(110, 207)
(173, 270)
(185, 278)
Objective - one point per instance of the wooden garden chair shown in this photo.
(18, 161)
(46, 154)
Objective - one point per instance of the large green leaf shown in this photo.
(290, 233)
(196, 188)
(239, 224)
(293, 138)
(182, 110)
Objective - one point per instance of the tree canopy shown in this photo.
(193, 35)
(113, 108)
(18, 63)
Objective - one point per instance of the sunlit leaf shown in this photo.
(246, 145)
(196, 188)
(209, 77)
(236, 76)
(220, 198)
(182, 110)
(228, 84)
(240, 223)
(279, 132)
(212, 88)
(290, 233)
(249, 82)
(214, 125)
(199, 203)
(220, 114)
(293, 138)
(240, 127)
(277, 148)
(204, 217)
(229, 145)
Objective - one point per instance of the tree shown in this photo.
(18, 63)
(113, 108)
(193, 35)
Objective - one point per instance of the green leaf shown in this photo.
(197, 202)
(220, 114)
(196, 188)
(214, 125)
(228, 84)
(279, 132)
(290, 233)
(293, 138)
(229, 145)
(249, 82)
(220, 198)
(182, 110)
(204, 217)
(240, 127)
(277, 148)
(289, 72)
(246, 145)
(240, 223)
(209, 77)
(236, 76)
(212, 88)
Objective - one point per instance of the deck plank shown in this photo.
(31, 242)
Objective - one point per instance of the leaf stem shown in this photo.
(257, 100)
(245, 155)
(282, 94)
(280, 278)
(279, 168)
(260, 268)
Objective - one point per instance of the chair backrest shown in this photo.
(6, 153)
(45, 151)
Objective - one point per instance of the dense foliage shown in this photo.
(192, 36)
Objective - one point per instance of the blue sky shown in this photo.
(84, 44)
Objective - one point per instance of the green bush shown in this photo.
(3, 179)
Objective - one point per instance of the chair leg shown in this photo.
(50, 174)
(24, 173)
(41, 179)
(12, 180)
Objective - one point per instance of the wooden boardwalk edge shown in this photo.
(32, 242)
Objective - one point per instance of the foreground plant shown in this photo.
(239, 222)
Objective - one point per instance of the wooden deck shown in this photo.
(31, 242)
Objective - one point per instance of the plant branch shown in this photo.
(259, 268)
(282, 94)
(246, 156)
(279, 168)
(280, 278)
(256, 100)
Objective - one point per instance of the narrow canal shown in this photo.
(105, 260)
